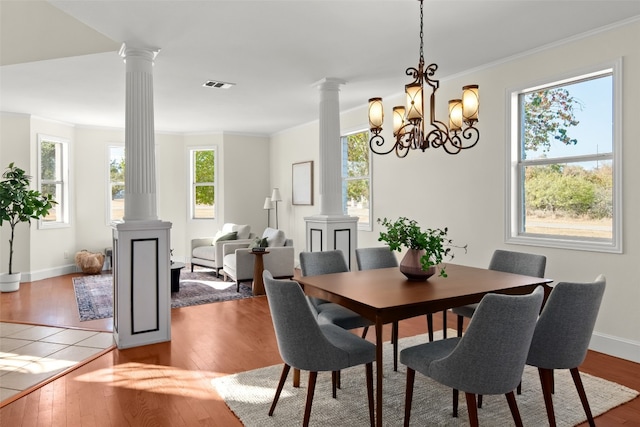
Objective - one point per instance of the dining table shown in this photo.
(385, 295)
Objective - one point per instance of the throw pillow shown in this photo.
(229, 236)
(274, 237)
(243, 231)
(255, 243)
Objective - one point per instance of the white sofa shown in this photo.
(238, 260)
(207, 251)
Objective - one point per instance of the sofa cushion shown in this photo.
(243, 231)
(274, 237)
(205, 252)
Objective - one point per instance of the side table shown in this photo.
(258, 268)
(175, 276)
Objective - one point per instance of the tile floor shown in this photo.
(31, 354)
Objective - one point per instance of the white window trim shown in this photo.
(107, 192)
(65, 204)
(190, 186)
(362, 226)
(512, 208)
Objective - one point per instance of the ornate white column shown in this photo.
(141, 244)
(331, 229)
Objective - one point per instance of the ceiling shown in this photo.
(59, 59)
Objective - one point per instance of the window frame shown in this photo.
(111, 146)
(64, 202)
(343, 150)
(192, 185)
(515, 166)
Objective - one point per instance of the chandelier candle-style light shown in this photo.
(410, 129)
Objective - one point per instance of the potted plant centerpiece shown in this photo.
(19, 203)
(426, 248)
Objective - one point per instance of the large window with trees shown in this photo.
(565, 163)
(203, 183)
(53, 153)
(116, 183)
(356, 178)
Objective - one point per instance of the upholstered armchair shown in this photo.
(208, 251)
(238, 261)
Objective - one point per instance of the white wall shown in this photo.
(467, 192)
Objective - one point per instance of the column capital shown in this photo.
(148, 53)
(329, 83)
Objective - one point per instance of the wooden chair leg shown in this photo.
(479, 401)
(444, 324)
(430, 326)
(456, 398)
(546, 376)
(511, 398)
(411, 376)
(472, 409)
(519, 388)
(296, 377)
(311, 388)
(394, 341)
(575, 374)
(334, 381)
(369, 374)
(364, 332)
(283, 378)
(460, 322)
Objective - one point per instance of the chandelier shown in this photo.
(410, 129)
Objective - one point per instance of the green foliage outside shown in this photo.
(560, 189)
(358, 166)
(204, 171)
(116, 173)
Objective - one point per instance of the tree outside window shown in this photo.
(356, 178)
(116, 183)
(53, 179)
(203, 183)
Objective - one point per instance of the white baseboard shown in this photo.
(52, 272)
(616, 346)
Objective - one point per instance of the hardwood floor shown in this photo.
(168, 384)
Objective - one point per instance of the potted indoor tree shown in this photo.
(19, 203)
(426, 248)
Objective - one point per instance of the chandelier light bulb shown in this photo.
(376, 114)
(470, 103)
(414, 101)
(455, 114)
(398, 119)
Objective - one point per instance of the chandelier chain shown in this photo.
(421, 34)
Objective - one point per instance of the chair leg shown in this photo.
(364, 332)
(546, 376)
(460, 321)
(519, 388)
(430, 326)
(583, 396)
(456, 394)
(334, 381)
(237, 285)
(444, 324)
(411, 376)
(311, 389)
(339, 380)
(511, 398)
(283, 378)
(369, 374)
(394, 341)
(472, 409)
(479, 401)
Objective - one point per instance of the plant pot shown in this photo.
(10, 282)
(411, 267)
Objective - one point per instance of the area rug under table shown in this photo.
(249, 395)
(94, 293)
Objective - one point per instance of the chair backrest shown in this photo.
(490, 357)
(518, 263)
(301, 342)
(371, 258)
(564, 329)
(323, 262)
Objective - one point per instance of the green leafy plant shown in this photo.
(404, 232)
(18, 203)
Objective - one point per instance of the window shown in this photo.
(54, 179)
(565, 163)
(203, 183)
(356, 178)
(116, 183)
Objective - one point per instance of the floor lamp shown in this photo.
(268, 205)
(276, 197)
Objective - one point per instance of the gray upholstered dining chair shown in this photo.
(488, 359)
(562, 335)
(307, 345)
(508, 262)
(327, 262)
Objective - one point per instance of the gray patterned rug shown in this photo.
(94, 293)
(249, 395)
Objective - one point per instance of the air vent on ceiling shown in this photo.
(217, 84)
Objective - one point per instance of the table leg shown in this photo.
(379, 371)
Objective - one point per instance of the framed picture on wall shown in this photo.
(302, 183)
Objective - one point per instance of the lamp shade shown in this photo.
(470, 103)
(455, 114)
(414, 101)
(398, 119)
(268, 204)
(376, 114)
(275, 196)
